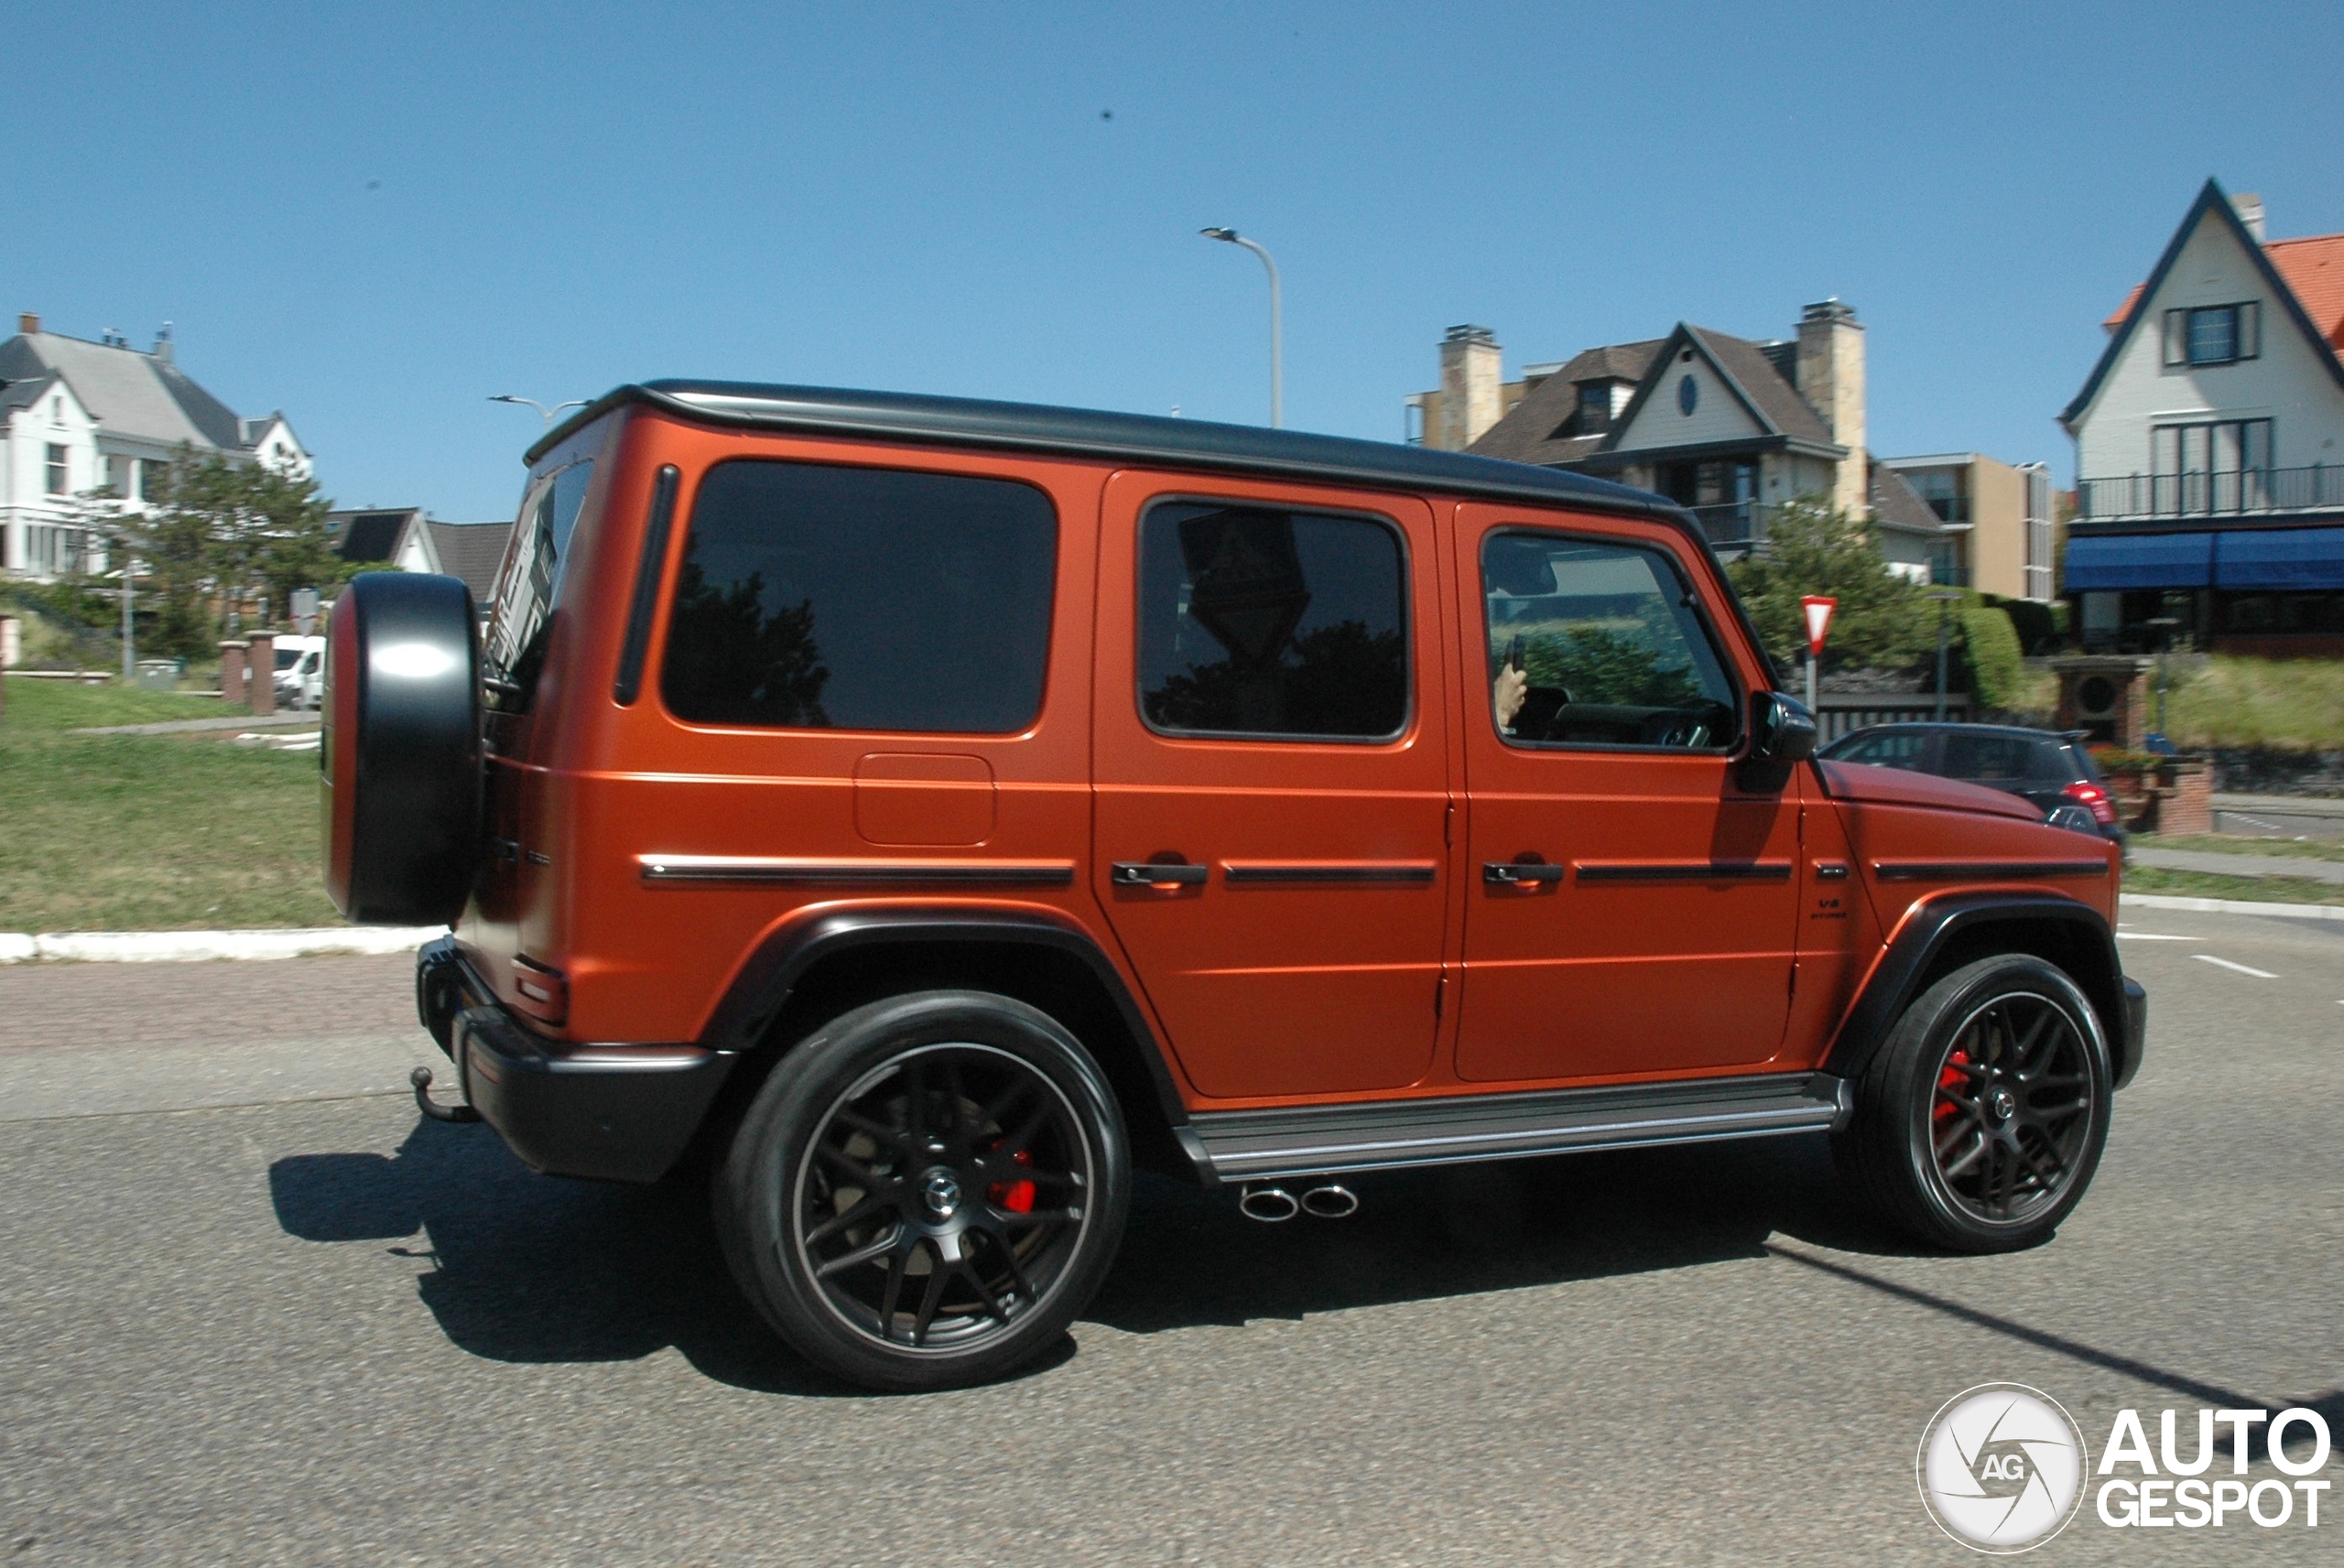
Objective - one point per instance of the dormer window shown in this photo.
(2213, 334)
(1594, 407)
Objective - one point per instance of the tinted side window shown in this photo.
(1988, 756)
(1261, 622)
(529, 588)
(1607, 647)
(820, 596)
(1907, 750)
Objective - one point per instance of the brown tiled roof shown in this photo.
(1898, 505)
(1542, 426)
(472, 551)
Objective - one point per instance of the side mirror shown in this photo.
(1782, 731)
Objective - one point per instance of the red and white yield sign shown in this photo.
(1818, 611)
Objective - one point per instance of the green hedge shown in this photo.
(1992, 645)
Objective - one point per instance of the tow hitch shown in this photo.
(421, 1079)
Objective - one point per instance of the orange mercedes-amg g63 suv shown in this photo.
(916, 813)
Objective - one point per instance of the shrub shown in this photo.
(1991, 646)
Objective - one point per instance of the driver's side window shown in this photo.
(1597, 644)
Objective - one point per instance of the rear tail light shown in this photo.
(2093, 798)
(544, 991)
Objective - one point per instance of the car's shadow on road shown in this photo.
(524, 1268)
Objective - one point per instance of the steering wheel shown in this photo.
(1676, 728)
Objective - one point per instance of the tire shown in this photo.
(925, 1190)
(1979, 1121)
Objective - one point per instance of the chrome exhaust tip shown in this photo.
(1332, 1201)
(1271, 1206)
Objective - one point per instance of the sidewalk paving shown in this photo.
(2279, 816)
(195, 726)
(2215, 863)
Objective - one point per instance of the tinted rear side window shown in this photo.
(1261, 622)
(529, 587)
(818, 596)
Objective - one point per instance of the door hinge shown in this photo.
(1439, 992)
(1448, 825)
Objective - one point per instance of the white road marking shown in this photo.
(2153, 936)
(2241, 969)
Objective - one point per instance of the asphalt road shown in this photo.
(252, 1309)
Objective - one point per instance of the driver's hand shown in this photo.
(1512, 689)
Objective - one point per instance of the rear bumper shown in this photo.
(2136, 1030)
(620, 1113)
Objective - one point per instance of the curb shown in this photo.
(2231, 906)
(196, 946)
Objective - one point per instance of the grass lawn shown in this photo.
(2253, 890)
(134, 833)
(2240, 844)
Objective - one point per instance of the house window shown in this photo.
(56, 469)
(118, 475)
(2220, 465)
(1944, 490)
(1594, 407)
(2213, 334)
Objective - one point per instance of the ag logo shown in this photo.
(2001, 1467)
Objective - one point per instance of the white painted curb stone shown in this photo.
(195, 947)
(2231, 906)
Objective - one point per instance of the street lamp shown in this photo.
(2164, 625)
(1277, 399)
(1947, 599)
(541, 408)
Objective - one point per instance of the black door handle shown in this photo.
(1517, 873)
(1148, 873)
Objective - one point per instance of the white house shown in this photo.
(78, 417)
(2210, 444)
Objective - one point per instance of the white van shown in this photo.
(300, 671)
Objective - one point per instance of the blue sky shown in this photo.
(374, 217)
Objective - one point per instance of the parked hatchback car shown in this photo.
(2050, 769)
(917, 813)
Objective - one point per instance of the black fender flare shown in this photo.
(1933, 927)
(763, 985)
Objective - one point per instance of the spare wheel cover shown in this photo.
(401, 752)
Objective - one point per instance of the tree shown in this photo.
(1815, 548)
(219, 527)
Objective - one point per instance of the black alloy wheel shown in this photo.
(942, 1196)
(2013, 1108)
(927, 1190)
(1979, 1121)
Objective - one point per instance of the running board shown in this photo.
(1257, 1145)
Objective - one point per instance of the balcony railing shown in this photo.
(1729, 522)
(2217, 493)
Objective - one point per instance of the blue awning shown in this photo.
(2279, 558)
(2141, 560)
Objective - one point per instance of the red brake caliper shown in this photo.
(1952, 1078)
(1017, 1198)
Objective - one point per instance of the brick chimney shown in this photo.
(28, 323)
(1469, 398)
(1831, 378)
(2249, 207)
